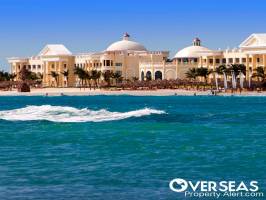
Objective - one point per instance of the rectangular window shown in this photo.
(29, 66)
(52, 66)
(237, 60)
(108, 63)
(244, 60)
(33, 66)
(65, 66)
(185, 60)
(118, 64)
(230, 60)
(217, 61)
(210, 61)
(224, 60)
(195, 60)
(250, 60)
(258, 60)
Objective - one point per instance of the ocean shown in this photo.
(126, 147)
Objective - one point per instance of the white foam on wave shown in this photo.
(70, 114)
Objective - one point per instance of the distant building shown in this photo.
(132, 59)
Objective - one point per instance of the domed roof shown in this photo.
(126, 44)
(193, 51)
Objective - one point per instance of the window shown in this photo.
(118, 64)
(258, 60)
(250, 60)
(108, 63)
(33, 66)
(237, 60)
(230, 60)
(210, 61)
(217, 61)
(195, 60)
(244, 60)
(224, 60)
(179, 60)
(29, 66)
(19, 67)
(185, 60)
(65, 66)
(52, 66)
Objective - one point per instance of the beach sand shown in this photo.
(87, 92)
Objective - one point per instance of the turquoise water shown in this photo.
(127, 155)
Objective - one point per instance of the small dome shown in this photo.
(192, 52)
(126, 44)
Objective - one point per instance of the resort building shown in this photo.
(133, 60)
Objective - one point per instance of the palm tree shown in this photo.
(260, 74)
(12, 76)
(221, 69)
(55, 75)
(65, 74)
(117, 76)
(192, 74)
(107, 75)
(24, 75)
(95, 76)
(81, 73)
(88, 78)
(203, 72)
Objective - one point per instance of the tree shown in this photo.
(107, 75)
(88, 78)
(260, 74)
(117, 76)
(24, 75)
(95, 75)
(55, 75)
(192, 74)
(81, 73)
(221, 69)
(65, 74)
(203, 72)
(237, 68)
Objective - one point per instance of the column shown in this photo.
(247, 67)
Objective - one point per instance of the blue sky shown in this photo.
(85, 26)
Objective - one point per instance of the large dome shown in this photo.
(126, 44)
(194, 51)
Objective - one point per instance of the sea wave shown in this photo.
(71, 114)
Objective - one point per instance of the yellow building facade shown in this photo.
(133, 60)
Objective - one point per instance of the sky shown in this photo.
(26, 26)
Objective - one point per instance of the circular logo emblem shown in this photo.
(178, 185)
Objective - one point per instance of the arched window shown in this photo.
(148, 76)
(142, 75)
(158, 75)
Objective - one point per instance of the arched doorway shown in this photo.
(148, 76)
(142, 76)
(158, 75)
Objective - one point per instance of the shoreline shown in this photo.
(88, 92)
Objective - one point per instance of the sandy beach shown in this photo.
(88, 92)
